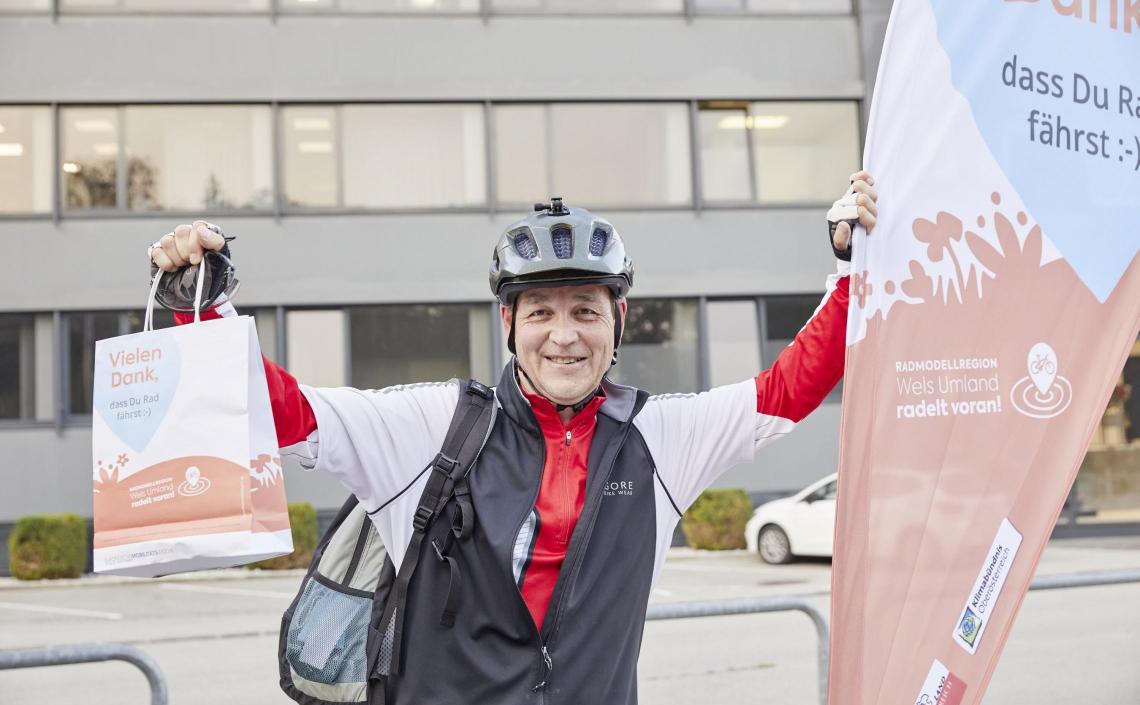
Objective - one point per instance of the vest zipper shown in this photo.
(547, 662)
(593, 506)
(564, 486)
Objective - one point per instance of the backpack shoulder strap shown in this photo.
(470, 426)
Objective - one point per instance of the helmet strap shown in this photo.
(511, 332)
(617, 329)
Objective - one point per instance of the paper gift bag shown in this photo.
(185, 462)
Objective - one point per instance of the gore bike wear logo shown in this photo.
(1043, 393)
(618, 488)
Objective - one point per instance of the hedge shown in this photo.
(48, 546)
(303, 521)
(716, 520)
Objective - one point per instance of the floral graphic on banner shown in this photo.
(1011, 257)
(265, 469)
(109, 473)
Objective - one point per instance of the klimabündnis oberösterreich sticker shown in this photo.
(984, 595)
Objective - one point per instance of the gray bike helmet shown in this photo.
(560, 246)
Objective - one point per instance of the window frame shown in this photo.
(491, 205)
(53, 146)
(756, 203)
(122, 207)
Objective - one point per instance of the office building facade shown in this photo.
(366, 154)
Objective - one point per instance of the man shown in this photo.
(581, 481)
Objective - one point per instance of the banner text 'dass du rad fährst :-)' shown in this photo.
(992, 310)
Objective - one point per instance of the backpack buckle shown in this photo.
(444, 464)
(474, 387)
(422, 517)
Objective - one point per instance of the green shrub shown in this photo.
(303, 522)
(716, 520)
(48, 546)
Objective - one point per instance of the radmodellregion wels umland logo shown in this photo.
(1043, 393)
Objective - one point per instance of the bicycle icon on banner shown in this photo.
(1042, 364)
(1043, 393)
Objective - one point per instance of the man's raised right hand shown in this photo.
(184, 246)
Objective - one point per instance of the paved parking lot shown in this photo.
(215, 635)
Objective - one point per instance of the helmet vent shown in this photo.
(524, 244)
(598, 240)
(562, 238)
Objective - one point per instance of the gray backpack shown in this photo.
(343, 634)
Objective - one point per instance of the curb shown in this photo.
(108, 580)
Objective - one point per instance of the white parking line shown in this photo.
(185, 587)
(71, 612)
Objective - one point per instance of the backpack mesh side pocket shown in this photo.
(323, 651)
(326, 643)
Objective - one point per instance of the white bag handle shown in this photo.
(148, 320)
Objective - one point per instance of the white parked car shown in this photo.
(800, 525)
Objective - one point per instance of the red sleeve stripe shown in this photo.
(810, 367)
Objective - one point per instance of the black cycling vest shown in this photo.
(494, 654)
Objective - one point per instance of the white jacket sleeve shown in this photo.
(377, 442)
(694, 438)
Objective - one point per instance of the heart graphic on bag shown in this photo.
(135, 379)
(1040, 108)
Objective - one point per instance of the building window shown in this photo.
(25, 6)
(189, 158)
(400, 344)
(90, 150)
(158, 6)
(784, 317)
(1119, 427)
(83, 329)
(776, 152)
(315, 347)
(734, 341)
(199, 157)
(589, 7)
(310, 158)
(25, 160)
(772, 7)
(17, 366)
(659, 346)
(163, 318)
(593, 155)
(726, 167)
(380, 6)
(413, 156)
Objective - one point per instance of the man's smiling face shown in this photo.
(564, 339)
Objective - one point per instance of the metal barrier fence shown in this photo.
(752, 605)
(90, 653)
(686, 610)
